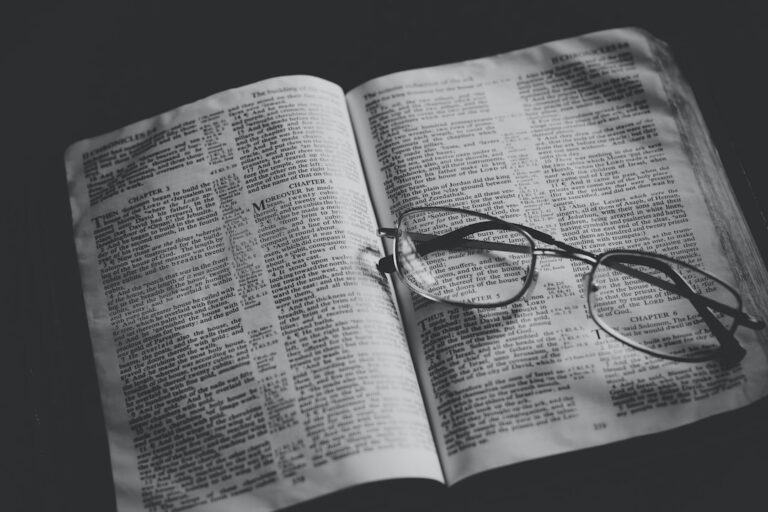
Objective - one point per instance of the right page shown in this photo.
(598, 141)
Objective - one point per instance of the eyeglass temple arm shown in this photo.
(731, 351)
(430, 243)
(682, 288)
(456, 238)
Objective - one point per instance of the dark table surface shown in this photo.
(73, 72)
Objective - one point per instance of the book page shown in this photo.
(580, 139)
(249, 355)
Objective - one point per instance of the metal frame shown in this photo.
(730, 351)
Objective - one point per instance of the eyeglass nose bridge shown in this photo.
(530, 289)
(585, 283)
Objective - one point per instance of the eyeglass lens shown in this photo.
(482, 265)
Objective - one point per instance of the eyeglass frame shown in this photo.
(730, 351)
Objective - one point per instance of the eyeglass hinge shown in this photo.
(388, 232)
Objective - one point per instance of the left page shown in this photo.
(249, 356)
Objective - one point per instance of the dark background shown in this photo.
(74, 72)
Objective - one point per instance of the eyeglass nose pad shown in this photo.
(534, 279)
(585, 284)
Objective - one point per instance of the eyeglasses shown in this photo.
(659, 305)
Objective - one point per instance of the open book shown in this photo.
(250, 354)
